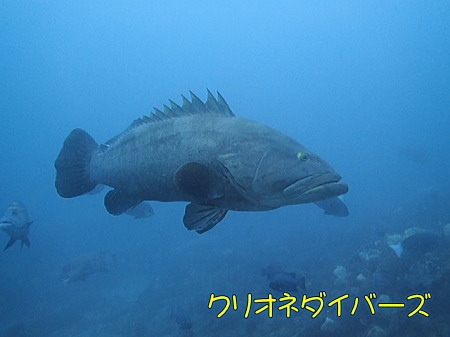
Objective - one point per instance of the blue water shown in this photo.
(365, 85)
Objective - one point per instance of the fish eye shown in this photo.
(302, 156)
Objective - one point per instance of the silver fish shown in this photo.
(200, 153)
(16, 224)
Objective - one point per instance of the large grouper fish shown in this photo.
(200, 153)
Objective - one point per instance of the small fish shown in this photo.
(81, 268)
(284, 281)
(281, 280)
(16, 224)
(141, 211)
(272, 269)
(200, 153)
(181, 317)
(420, 243)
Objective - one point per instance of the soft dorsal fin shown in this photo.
(193, 107)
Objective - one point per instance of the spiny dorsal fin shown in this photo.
(195, 106)
(211, 102)
(223, 105)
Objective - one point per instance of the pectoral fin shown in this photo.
(200, 183)
(117, 202)
(202, 218)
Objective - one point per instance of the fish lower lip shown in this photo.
(314, 184)
(325, 191)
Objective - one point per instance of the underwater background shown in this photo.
(365, 85)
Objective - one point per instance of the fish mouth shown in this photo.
(316, 187)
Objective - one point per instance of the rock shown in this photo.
(361, 278)
(377, 331)
(329, 325)
(340, 272)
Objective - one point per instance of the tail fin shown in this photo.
(72, 164)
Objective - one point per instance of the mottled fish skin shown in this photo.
(144, 162)
(199, 153)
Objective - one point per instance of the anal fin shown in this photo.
(118, 202)
(202, 218)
